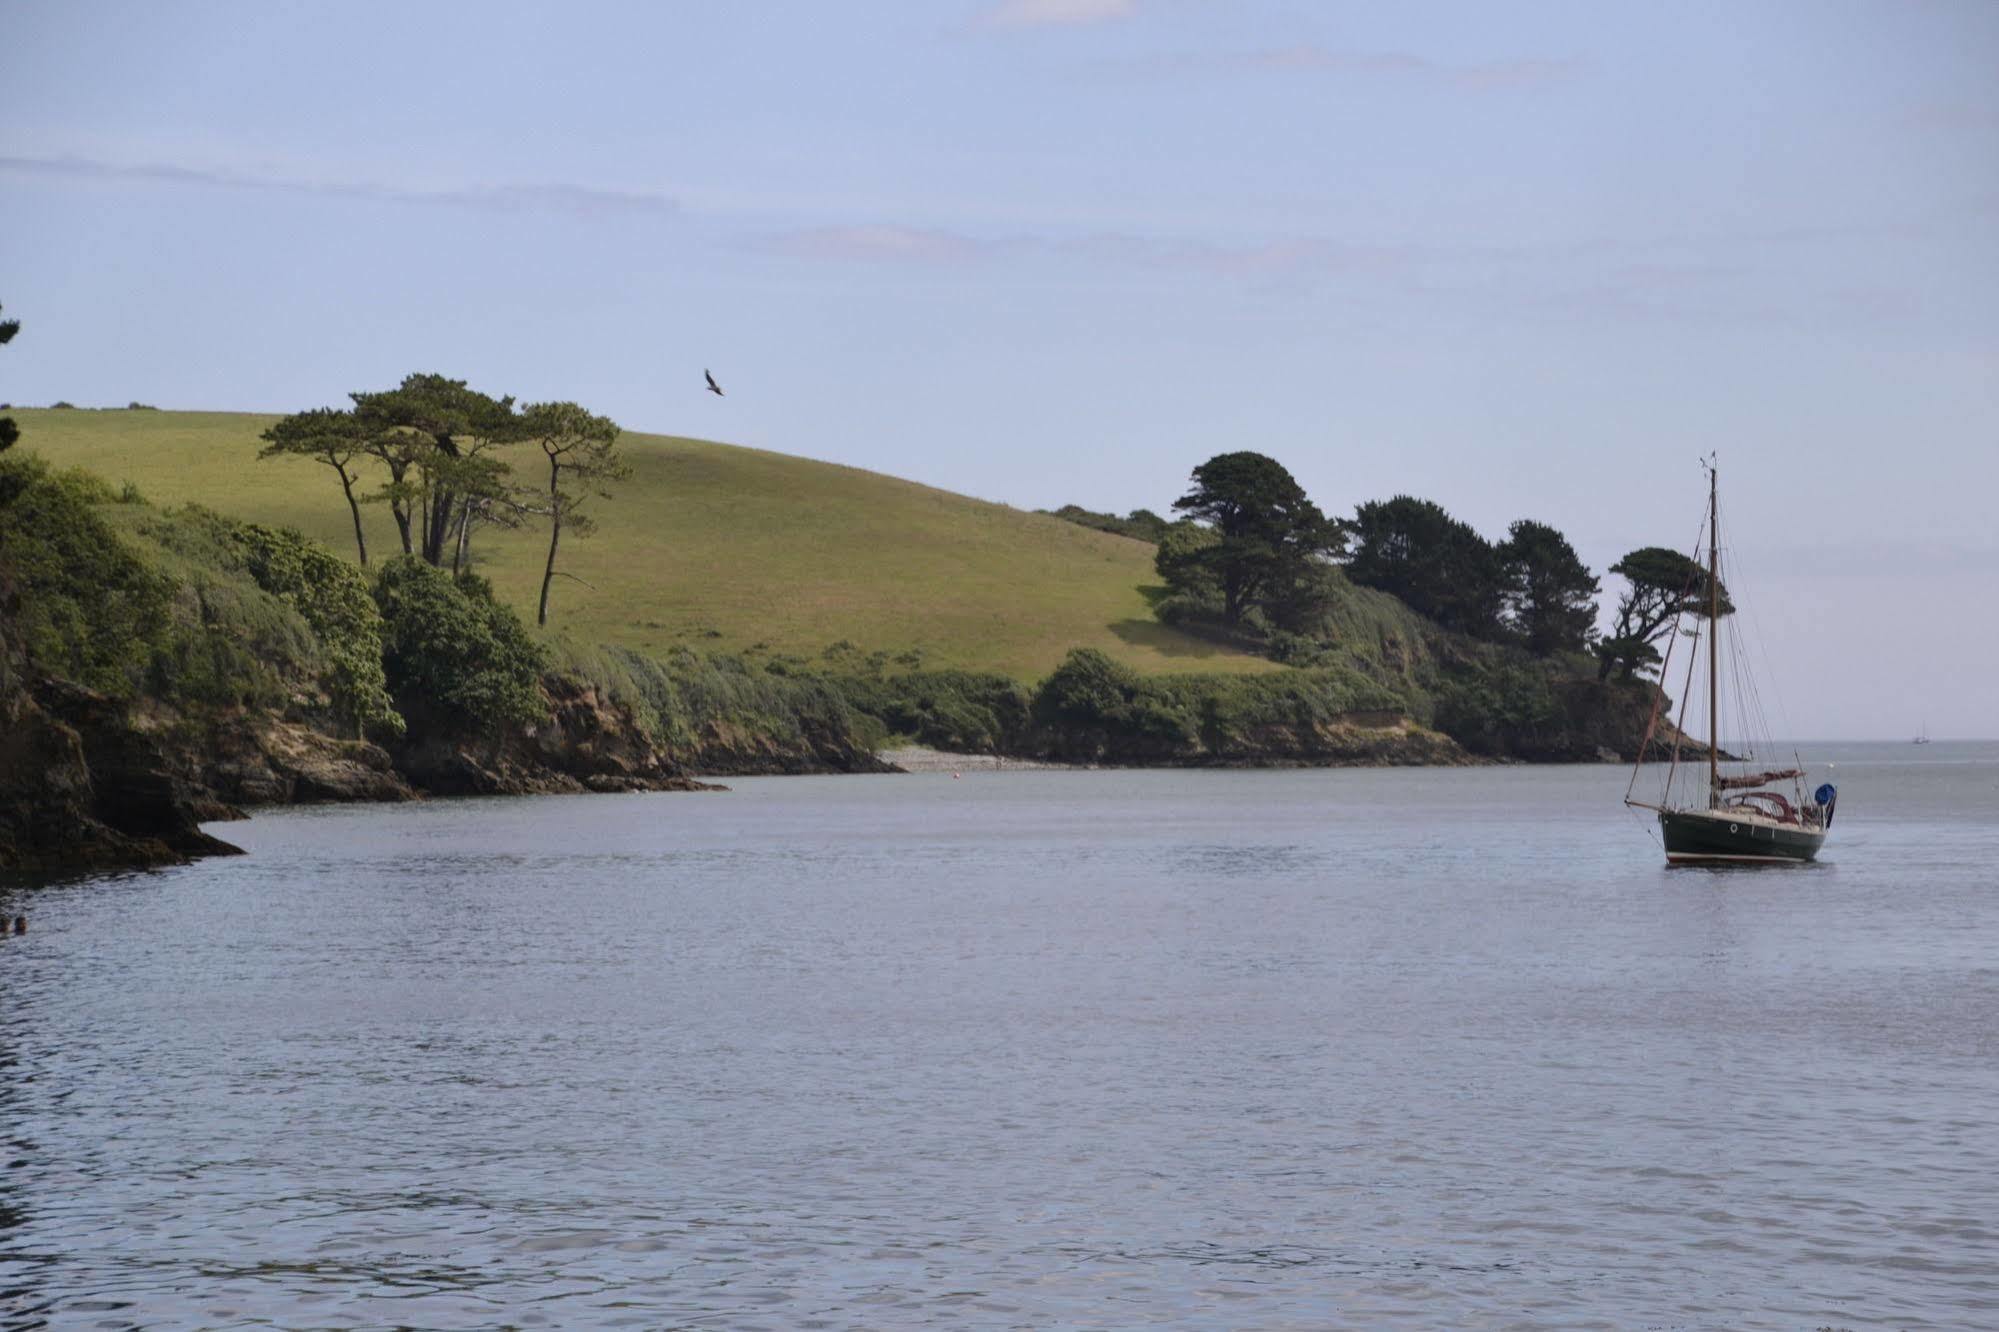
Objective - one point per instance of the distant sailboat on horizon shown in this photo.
(1738, 821)
(1922, 735)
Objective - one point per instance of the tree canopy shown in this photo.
(1268, 536)
(1664, 584)
(439, 445)
(329, 436)
(1549, 593)
(434, 436)
(1442, 567)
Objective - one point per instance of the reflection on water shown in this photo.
(1300, 1049)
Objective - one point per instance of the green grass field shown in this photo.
(716, 546)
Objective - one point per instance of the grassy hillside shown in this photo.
(718, 546)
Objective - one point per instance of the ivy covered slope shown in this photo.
(159, 668)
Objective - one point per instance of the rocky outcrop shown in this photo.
(86, 784)
(590, 742)
(255, 759)
(90, 782)
(724, 750)
(1592, 722)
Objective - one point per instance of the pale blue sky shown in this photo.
(1527, 260)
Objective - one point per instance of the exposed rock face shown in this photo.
(85, 784)
(260, 760)
(723, 750)
(88, 782)
(589, 743)
(1595, 722)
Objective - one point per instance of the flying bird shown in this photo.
(713, 387)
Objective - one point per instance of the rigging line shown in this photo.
(1673, 635)
(1695, 571)
(1680, 728)
(1755, 645)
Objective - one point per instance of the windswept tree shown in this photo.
(9, 432)
(331, 437)
(1442, 567)
(582, 453)
(1269, 538)
(436, 436)
(1550, 594)
(1664, 585)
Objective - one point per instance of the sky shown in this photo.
(1528, 260)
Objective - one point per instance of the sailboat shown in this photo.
(1740, 817)
(1922, 735)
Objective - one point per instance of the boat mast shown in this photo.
(1713, 632)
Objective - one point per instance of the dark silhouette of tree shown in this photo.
(9, 432)
(1442, 567)
(1550, 594)
(1270, 537)
(329, 436)
(1664, 585)
(582, 453)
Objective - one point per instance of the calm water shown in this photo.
(1436, 1049)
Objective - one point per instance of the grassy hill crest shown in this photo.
(719, 546)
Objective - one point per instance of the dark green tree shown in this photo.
(329, 436)
(1664, 585)
(1269, 536)
(436, 436)
(1550, 594)
(451, 652)
(1442, 567)
(9, 432)
(582, 453)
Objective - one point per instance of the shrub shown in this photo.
(451, 651)
(1091, 693)
(966, 711)
(687, 696)
(332, 596)
(90, 609)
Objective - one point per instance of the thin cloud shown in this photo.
(1055, 13)
(894, 243)
(1474, 76)
(887, 242)
(580, 200)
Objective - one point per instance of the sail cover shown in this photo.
(1750, 779)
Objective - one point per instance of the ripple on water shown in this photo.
(1274, 1050)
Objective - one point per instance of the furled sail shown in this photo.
(1749, 779)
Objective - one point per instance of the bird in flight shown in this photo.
(713, 387)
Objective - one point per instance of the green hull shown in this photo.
(1698, 837)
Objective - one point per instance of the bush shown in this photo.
(140, 407)
(453, 652)
(91, 610)
(972, 712)
(62, 406)
(334, 600)
(1498, 707)
(1139, 524)
(1094, 695)
(687, 699)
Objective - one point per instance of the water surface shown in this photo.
(1405, 1048)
